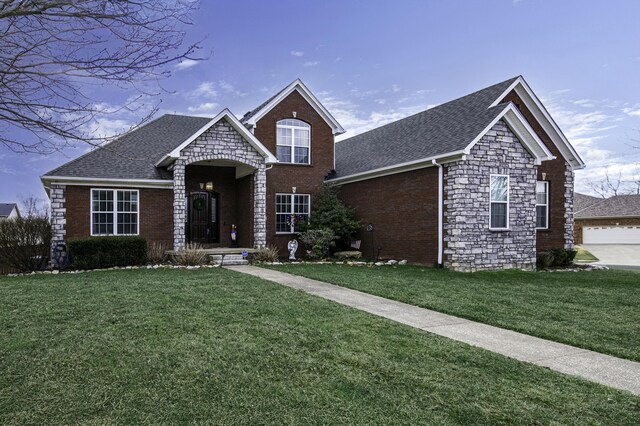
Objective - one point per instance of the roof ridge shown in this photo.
(433, 108)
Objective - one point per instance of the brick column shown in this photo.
(179, 205)
(259, 207)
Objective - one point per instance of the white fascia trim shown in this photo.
(522, 130)
(398, 168)
(308, 96)
(125, 183)
(236, 124)
(543, 117)
(607, 217)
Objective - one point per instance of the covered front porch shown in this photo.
(219, 185)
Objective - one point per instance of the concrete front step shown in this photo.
(228, 259)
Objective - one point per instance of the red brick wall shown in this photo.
(554, 170)
(156, 213)
(307, 179)
(404, 211)
(581, 223)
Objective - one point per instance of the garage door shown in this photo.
(611, 235)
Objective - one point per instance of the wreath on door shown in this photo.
(199, 204)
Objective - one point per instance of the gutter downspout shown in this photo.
(440, 210)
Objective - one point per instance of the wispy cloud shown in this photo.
(206, 88)
(634, 111)
(311, 63)
(230, 88)
(395, 88)
(296, 53)
(204, 108)
(187, 63)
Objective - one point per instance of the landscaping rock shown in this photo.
(402, 262)
(392, 262)
(351, 254)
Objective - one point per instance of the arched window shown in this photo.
(293, 141)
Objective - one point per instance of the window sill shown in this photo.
(543, 230)
(285, 233)
(294, 164)
(499, 229)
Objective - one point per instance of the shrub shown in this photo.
(556, 257)
(106, 252)
(191, 255)
(25, 243)
(351, 254)
(267, 254)
(329, 212)
(318, 242)
(157, 252)
(544, 260)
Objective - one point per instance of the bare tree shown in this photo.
(611, 186)
(54, 53)
(32, 206)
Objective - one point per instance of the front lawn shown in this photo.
(214, 346)
(597, 310)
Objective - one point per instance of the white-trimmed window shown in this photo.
(293, 141)
(499, 202)
(291, 208)
(542, 204)
(114, 212)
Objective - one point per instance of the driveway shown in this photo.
(616, 254)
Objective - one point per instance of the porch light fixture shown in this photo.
(293, 189)
(208, 186)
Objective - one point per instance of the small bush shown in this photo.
(318, 242)
(157, 252)
(555, 258)
(351, 254)
(106, 252)
(267, 254)
(191, 255)
(25, 243)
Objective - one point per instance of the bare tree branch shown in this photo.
(53, 52)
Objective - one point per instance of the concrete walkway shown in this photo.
(607, 370)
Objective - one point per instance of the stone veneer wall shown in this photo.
(568, 207)
(58, 220)
(220, 142)
(469, 244)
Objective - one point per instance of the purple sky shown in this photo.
(372, 62)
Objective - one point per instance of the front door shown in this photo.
(203, 218)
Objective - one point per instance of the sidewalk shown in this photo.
(604, 369)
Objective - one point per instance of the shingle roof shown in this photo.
(254, 111)
(7, 208)
(445, 128)
(618, 206)
(133, 156)
(582, 201)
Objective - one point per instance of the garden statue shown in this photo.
(293, 247)
(234, 236)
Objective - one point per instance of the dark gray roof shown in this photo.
(582, 201)
(618, 206)
(254, 111)
(7, 208)
(133, 156)
(445, 128)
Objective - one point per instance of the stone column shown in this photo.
(58, 222)
(568, 207)
(259, 207)
(179, 205)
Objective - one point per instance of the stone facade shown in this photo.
(469, 244)
(220, 142)
(58, 223)
(568, 207)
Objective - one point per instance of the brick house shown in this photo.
(613, 220)
(481, 182)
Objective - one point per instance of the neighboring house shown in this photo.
(9, 211)
(614, 220)
(481, 182)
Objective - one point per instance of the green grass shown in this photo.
(213, 346)
(597, 310)
(583, 255)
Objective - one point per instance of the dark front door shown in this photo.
(203, 218)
